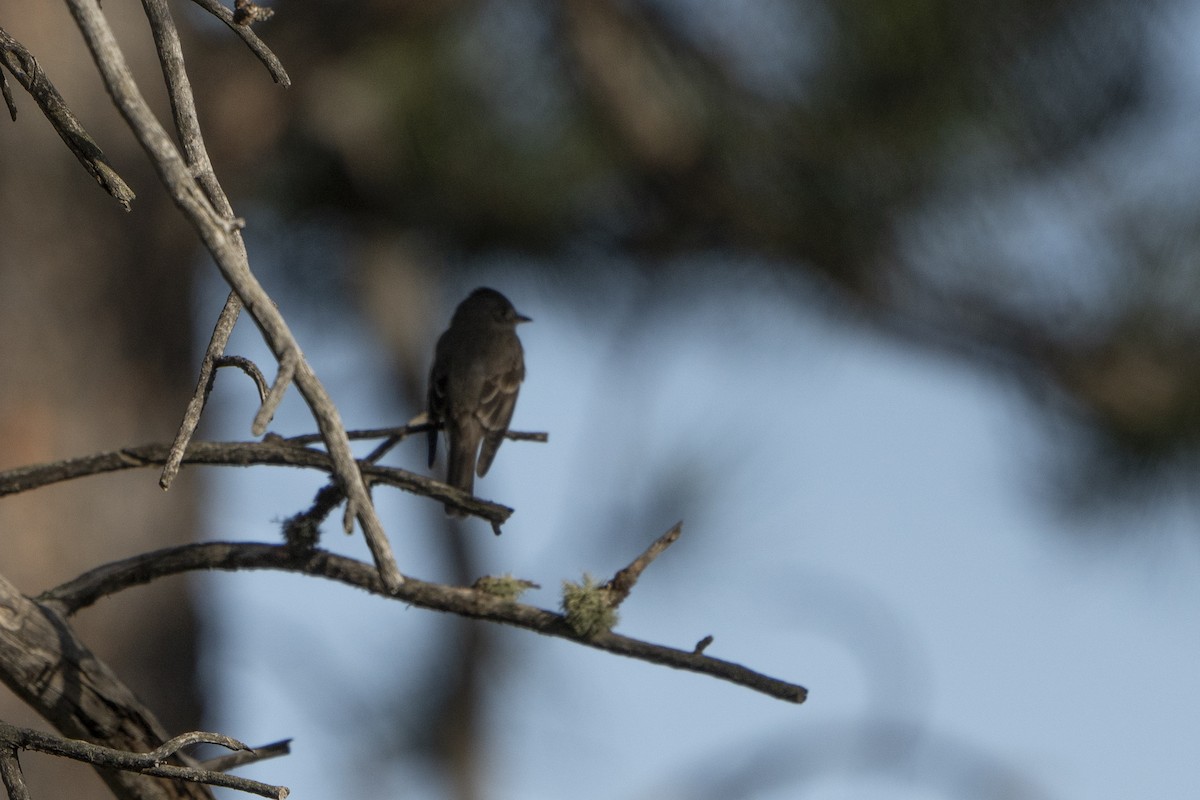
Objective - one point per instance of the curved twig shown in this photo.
(467, 602)
(177, 743)
(247, 366)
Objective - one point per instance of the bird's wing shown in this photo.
(495, 411)
(435, 405)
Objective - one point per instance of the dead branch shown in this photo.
(204, 386)
(271, 452)
(151, 763)
(25, 68)
(52, 671)
(256, 45)
(467, 602)
(622, 583)
(221, 235)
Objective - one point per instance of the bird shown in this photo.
(478, 367)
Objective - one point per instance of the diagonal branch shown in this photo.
(256, 45)
(25, 68)
(467, 602)
(622, 583)
(221, 236)
(204, 385)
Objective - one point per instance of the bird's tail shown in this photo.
(460, 471)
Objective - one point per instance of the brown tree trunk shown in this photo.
(94, 354)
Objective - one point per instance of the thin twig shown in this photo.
(183, 105)
(256, 45)
(252, 756)
(204, 386)
(404, 431)
(25, 68)
(8, 98)
(250, 368)
(274, 452)
(274, 396)
(142, 763)
(622, 583)
(177, 743)
(111, 578)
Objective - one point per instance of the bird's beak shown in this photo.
(522, 318)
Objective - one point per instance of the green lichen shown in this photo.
(588, 607)
(506, 587)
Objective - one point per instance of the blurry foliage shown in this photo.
(959, 173)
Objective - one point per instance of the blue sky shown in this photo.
(873, 526)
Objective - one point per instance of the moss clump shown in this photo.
(588, 607)
(506, 587)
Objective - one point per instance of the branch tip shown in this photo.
(622, 583)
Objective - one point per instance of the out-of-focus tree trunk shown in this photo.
(94, 354)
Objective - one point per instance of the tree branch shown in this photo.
(467, 602)
(273, 452)
(240, 757)
(220, 234)
(150, 763)
(25, 68)
(204, 386)
(48, 667)
(622, 583)
(269, 60)
(10, 773)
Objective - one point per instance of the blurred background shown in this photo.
(893, 303)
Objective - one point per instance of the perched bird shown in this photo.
(478, 367)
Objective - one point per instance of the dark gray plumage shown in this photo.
(478, 367)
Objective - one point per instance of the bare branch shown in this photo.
(283, 379)
(177, 743)
(242, 757)
(622, 583)
(8, 98)
(220, 234)
(467, 602)
(404, 431)
(250, 368)
(25, 68)
(183, 103)
(204, 385)
(142, 763)
(247, 12)
(48, 667)
(274, 452)
(10, 773)
(269, 60)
